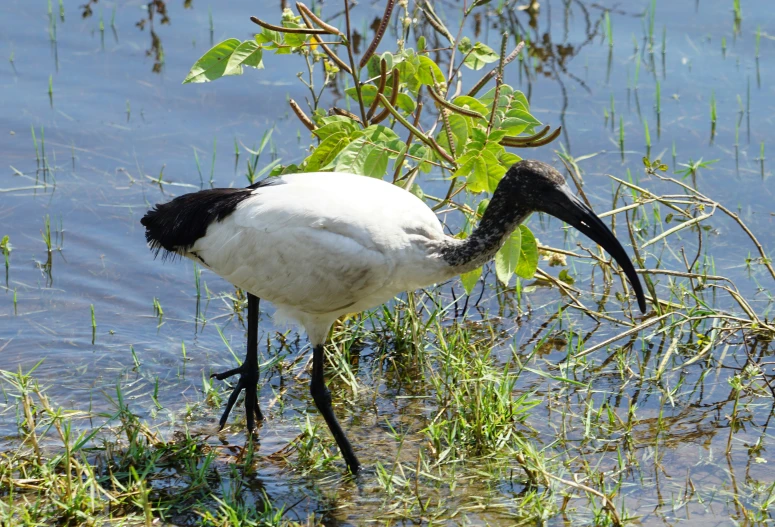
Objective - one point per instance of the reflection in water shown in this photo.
(154, 8)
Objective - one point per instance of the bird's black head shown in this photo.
(538, 187)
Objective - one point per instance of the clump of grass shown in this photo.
(6, 248)
(738, 15)
(713, 114)
(46, 233)
(608, 29)
(621, 136)
(647, 135)
(93, 324)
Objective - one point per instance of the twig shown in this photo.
(498, 81)
(766, 261)
(306, 121)
(380, 33)
(344, 113)
(486, 78)
(632, 331)
(436, 96)
(400, 162)
(380, 88)
(304, 10)
(331, 54)
(281, 29)
(355, 71)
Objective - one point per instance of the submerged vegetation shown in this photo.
(528, 392)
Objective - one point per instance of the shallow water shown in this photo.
(113, 123)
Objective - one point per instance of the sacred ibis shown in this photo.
(320, 245)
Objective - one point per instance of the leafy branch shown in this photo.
(466, 137)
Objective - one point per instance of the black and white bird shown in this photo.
(320, 245)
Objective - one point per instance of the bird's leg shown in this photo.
(322, 398)
(248, 373)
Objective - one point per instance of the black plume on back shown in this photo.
(176, 225)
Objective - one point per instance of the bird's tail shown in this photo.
(173, 227)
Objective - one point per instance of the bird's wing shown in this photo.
(321, 243)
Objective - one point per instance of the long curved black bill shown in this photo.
(576, 213)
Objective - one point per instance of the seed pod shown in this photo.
(487, 76)
(548, 139)
(533, 140)
(333, 56)
(306, 121)
(281, 29)
(344, 113)
(513, 55)
(527, 139)
(448, 131)
(435, 23)
(380, 88)
(328, 27)
(413, 129)
(443, 153)
(380, 33)
(453, 107)
(393, 97)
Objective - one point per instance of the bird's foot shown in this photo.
(248, 378)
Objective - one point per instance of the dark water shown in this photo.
(119, 116)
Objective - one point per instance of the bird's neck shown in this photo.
(500, 219)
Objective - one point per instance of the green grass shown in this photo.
(513, 406)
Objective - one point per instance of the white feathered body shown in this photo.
(319, 245)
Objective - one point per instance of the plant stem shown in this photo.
(356, 71)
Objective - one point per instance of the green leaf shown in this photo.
(369, 92)
(524, 115)
(464, 45)
(326, 151)
(293, 22)
(485, 172)
(428, 72)
(212, 64)
(426, 154)
(513, 126)
(507, 257)
(507, 159)
(480, 55)
(459, 127)
(362, 157)
(377, 133)
(247, 54)
(528, 258)
(469, 279)
(417, 191)
(373, 66)
(465, 101)
(268, 36)
(342, 125)
(565, 277)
